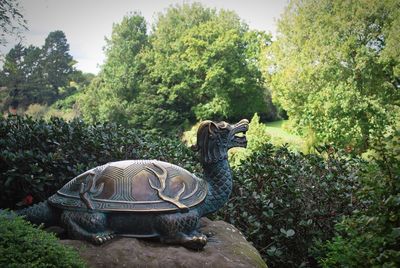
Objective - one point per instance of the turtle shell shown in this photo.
(132, 186)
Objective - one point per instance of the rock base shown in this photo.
(227, 247)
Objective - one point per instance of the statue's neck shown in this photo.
(219, 178)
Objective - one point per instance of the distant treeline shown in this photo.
(39, 74)
(333, 69)
(197, 63)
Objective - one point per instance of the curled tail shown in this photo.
(41, 213)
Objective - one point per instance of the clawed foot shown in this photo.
(196, 242)
(102, 238)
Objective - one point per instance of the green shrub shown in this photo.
(370, 237)
(283, 201)
(257, 137)
(23, 245)
(66, 109)
(37, 157)
(37, 110)
(286, 203)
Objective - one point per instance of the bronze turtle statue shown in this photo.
(146, 198)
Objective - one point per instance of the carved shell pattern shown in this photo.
(132, 185)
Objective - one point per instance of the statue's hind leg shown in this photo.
(88, 226)
(181, 228)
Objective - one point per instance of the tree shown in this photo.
(204, 64)
(57, 63)
(39, 75)
(35, 89)
(11, 20)
(22, 76)
(111, 94)
(335, 69)
(196, 64)
(13, 74)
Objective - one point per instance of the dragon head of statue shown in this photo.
(215, 139)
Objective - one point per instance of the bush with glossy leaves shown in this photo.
(283, 201)
(370, 237)
(38, 157)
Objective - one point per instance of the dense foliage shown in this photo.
(284, 202)
(23, 245)
(370, 237)
(197, 63)
(38, 157)
(38, 74)
(281, 200)
(114, 91)
(335, 69)
(206, 63)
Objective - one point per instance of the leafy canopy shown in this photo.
(111, 94)
(197, 63)
(335, 68)
(39, 75)
(203, 62)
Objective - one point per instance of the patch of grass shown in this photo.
(280, 136)
(276, 124)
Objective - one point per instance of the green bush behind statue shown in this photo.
(38, 157)
(286, 203)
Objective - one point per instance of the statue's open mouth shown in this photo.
(240, 138)
(239, 134)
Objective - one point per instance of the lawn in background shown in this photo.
(280, 136)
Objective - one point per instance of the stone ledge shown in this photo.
(226, 248)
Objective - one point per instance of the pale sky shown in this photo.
(86, 23)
